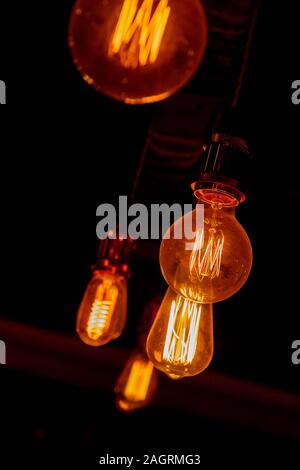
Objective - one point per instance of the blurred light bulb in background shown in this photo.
(137, 383)
(180, 342)
(216, 262)
(102, 313)
(138, 51)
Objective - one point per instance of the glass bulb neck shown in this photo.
(114, 255)
(216, 198)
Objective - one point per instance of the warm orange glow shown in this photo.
(180, 342)
(138, 51)
(102, 313)
(182, 333)
(215, 263)
(102, 310)
(138, 36)
(137, 383)
(206, 257)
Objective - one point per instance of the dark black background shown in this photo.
(66, 149)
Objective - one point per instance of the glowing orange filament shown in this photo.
(102, 310)
(139, 379)
(137, 37)
(182, 332)
(205, 260)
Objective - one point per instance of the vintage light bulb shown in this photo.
(216, 261)
(138, 51)
(137, 383)
(102, 313)
(180, 342)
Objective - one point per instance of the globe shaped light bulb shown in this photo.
(138, 51)
(216, 261)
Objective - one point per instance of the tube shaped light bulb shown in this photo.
(216, 262)
(137, 383)
(102, 313)
(138, 51)
(180, 342)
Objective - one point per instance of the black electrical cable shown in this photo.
(136, 181)
(246, 55)
(223, 121)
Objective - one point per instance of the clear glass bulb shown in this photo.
(180, 342)
(137, 383)
(215, 263)
(138, 51)
(102, 313)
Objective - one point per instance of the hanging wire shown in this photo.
(137, 178)
(232, 103)
(246, 56)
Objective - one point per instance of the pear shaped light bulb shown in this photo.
(180, 342)
(138, 51)
(102, 313)
(216, 261)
